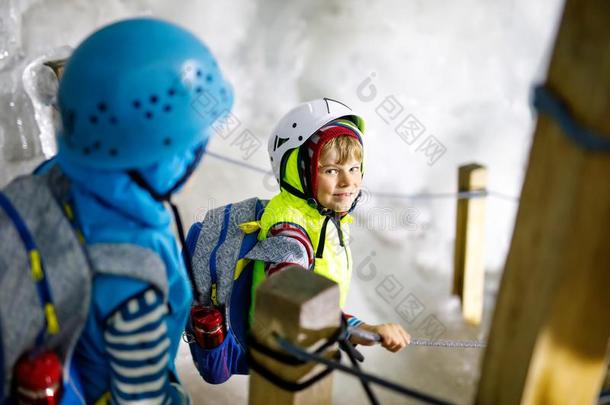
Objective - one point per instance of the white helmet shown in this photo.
(300, 123)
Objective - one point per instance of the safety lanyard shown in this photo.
(37, 271)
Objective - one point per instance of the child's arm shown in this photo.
(297, 234)
(393, 336)
(137, 346)
(351, 320)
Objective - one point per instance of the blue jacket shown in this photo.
(111, 208)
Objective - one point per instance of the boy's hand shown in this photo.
(393, 336)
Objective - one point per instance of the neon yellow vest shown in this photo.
(336, 260)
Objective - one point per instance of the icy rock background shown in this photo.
(461, 72)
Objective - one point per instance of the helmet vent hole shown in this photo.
(198, 72)
(97, 145)
(93, 119)
(167, 108)
(136, 104)
(149, 115)
(280, 141)
(86, 151)
(102, 107)
(154, 99)
(294, 124)
(113, 152)
(167, 141)
(113, 120)
(171, 92)
(198, 89)
(209, 78)
(300, 138)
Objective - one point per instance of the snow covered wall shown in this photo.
(440, 83)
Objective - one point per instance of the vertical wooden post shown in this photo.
(469, 254)
(551, 325)
(303, 307)
(57, 66)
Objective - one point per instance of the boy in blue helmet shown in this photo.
(136, 99)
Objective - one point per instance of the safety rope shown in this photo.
(355, 356)
(365, 377)
(461, 344)
(454, 344)
(289, 360)
(296, 356)
(549, 103)
(402, 196)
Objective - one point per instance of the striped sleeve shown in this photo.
(352, 320)
(296, 233)
(138, 351)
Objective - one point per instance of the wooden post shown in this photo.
(57, 66)
(552, 320)
(304, 308)
(469, 254)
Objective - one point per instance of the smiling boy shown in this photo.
(317, 158)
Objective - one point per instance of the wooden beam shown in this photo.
(552, 320)
(304, 308)
(469, 253)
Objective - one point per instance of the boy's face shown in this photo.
(338, 184)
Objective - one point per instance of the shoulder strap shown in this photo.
(36, 212)
(37, 271)
(117, 259)
(129, 261)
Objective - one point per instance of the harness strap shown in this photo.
(37, 270)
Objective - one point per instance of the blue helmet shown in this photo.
(136, 92)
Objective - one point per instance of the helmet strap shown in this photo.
(356, 200)
(137, 178)
(311, 201)
(293, 190)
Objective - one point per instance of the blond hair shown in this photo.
(346, 147)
